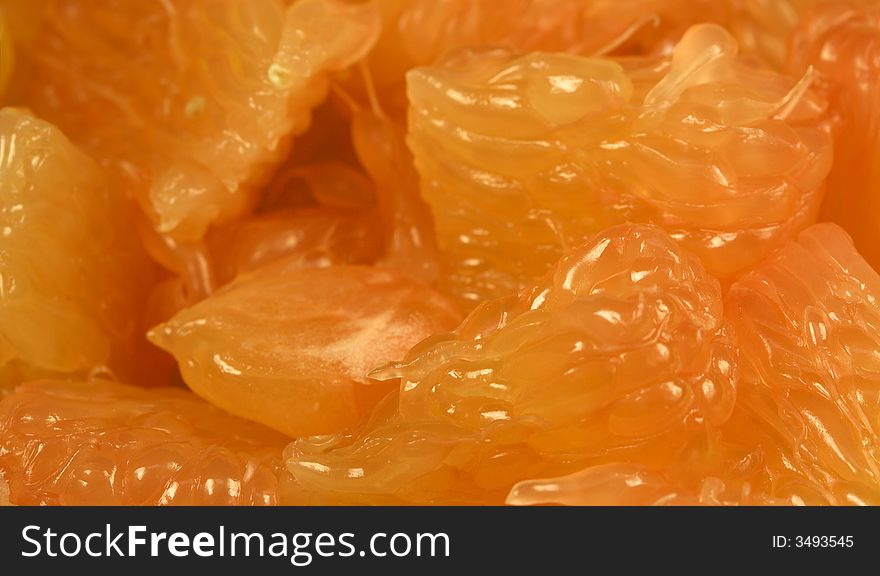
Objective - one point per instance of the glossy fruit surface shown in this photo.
(423, 32)
(808, 323)
(804, 429)
(103, 443)
(291, 347)
(69, 275)
(620, 353)
(842, 42)
(289, 206)
(212, 90)
(521, 158)
(314, 236)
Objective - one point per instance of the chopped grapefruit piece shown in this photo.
(423, 32)
(804, 429)
(291, 347)
(623, 194)
(616, 484)
(842, 42)
(314, 237)
(405, 218)
(808, 326)
(522, 157)
(431, 29)
(763, 27)
(103, 443)
(70, 274)
(190, 102)
(619, 354)
(320, 215)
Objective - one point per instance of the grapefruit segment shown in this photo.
(291, 347)
(213, 91)
(842, 42)
(619, 354)
(313, 237)
(405, 219)
(423, 32)
(622, 194)
(103, 443)
(70, 274)
(432, 29)
(804, 429)
(807, 322)
(523, 157)
(617, 484)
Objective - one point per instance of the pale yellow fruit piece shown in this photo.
(68, 270)
(191, 102)
(291, 347)
(523, 157)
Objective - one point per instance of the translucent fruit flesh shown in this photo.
(314, 237)
(625, 203)
(432, 29)
(405, 219)
(590, 381)
(808, 326)
(291, 347)
(102, 443)
(804, 428)
(619, 354)
(842, 42)
(213, 92)
(421, 32)
(69, 273)
(522, 158)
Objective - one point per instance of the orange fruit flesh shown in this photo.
(72, 303)
(623, 199)
(604, 359)
(102, 443)
(318, 237)
(522, 158)
(291, 347)
(7, 54)
(808, 405)
(421, 32)
(504, 400)
(404, 217)
(841, 42)
(213, 92)
(804, 428)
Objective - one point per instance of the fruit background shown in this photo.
(262, 252)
